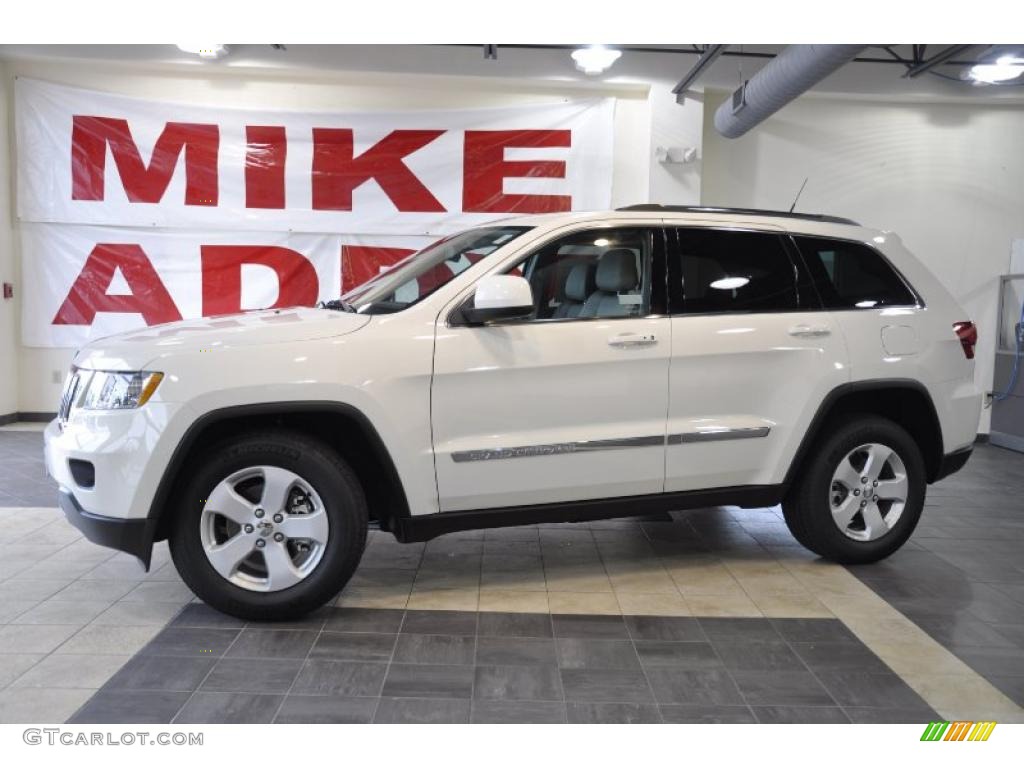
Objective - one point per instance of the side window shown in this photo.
(852, 275)
(722, 270)
(591, 274)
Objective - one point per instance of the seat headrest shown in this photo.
(579, 283)
(616, 271)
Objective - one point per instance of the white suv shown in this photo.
(550, 368)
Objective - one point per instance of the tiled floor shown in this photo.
(71, 614)
(378, 665)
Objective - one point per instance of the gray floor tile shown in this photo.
(201, 615)
(191, 641)
(439, 623)
(902, 715)
(71, 671)
(608, 713)
(800, 715)
(326, 709)
(14, 665)
(54, 611)
(839, 656)
(694, 686)
(245, 676)
(685, 655)
(354, 646)
(706, 713)
(272, 644)
(340, 678)
(616, 685)
(517, 683)
(435, 649)
(814, 631)
(161, 673)
(591, 627)
(579, 653)
(422, 711)
(515, 625)
(738, 630)
(229, 708)
(672, 628)
(766, 655)
(429, 681)
(33, 638)
(800, 689)
(856, 689)
(504, 651)
(518, 711)
(364, 620)
(127, 707)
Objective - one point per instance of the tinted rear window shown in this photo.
(852, 275)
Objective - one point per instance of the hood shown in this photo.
(135, 349)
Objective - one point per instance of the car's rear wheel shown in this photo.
(269, 527)
(860, 495)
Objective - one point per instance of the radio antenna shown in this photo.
(800, 192)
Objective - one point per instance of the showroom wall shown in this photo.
(8, 259)
(964, 163)
(644, 118)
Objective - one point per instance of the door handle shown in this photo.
(810, 331)
(632, 340)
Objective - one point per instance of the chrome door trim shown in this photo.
(557, 449)
(714, 434)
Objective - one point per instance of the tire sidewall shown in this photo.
(343, 503)
(822, 530)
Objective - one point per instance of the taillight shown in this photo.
(967, 332)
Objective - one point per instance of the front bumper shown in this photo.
(134, 536)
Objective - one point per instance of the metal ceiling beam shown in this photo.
(939, 58)
(707, 58)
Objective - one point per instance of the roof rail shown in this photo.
(657, 208)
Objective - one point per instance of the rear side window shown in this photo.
(852, 275)
(721, 270)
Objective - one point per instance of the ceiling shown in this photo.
(877, 73)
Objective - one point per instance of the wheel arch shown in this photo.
(331, 422)
(905, 401)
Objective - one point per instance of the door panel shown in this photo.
(567, 407)
(749, 366)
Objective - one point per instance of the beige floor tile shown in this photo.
(513, 601)
(41, 705)
(374, 597)
(401, 578)
(773, 584)
(790, 606)
(885, 627)
(103, 639)
(13, 666)
(924, 657)
(635, 603)
(583, 602)
(576, 578)
(750, 568)
(965, 697)
(160, 592)
(79, 612)
(447, 578)
(527, 580)
(71, 671)
(11, 609)
(723, 605)
(138, 614)
(33, 638)
(37, 589)
(444, 599)
(705, 579)
(95, 590)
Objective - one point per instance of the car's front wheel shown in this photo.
(269, 527)
(860, 495)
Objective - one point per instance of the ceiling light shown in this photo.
(214, 51)
(1005, 68)
(730, 283)
(595, 59)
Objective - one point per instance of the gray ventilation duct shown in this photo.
(785, 77)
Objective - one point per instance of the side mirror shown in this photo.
(499, 297)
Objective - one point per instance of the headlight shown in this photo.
(115, 390)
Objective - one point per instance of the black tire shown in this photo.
(332, 480)
(806, 507)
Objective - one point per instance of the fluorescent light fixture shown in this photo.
(730, 283)
(213, 51)
(595, 59)
(866, 304)
(601, 242)
(1005, 68)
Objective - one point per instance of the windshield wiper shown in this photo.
(336, 304)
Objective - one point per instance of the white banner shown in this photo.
(86, 157)
(134, 211)
(84, 282)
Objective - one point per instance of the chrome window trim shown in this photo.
(611, 444)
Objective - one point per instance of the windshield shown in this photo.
(422, 273)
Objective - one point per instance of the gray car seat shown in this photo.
(616, 274)
(579, 284)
